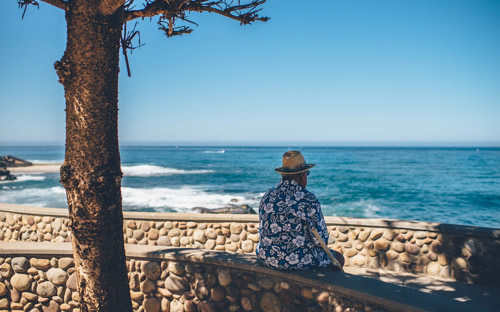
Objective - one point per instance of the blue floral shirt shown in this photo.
(286, 212)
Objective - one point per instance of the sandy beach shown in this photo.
(36, 168)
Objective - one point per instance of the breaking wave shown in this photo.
(182, 199)
(151, 170)
(214, 152)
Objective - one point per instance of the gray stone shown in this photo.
(398, 246)
(412, 249)
(3, 289)
(205, 306)
(71, 283)
(461, 263)
(164, 241)
(153, 234)
(199, 236)
(29, 296)
(151, 304)
(57, 276)
(358, 260)
(246, 304)
(433, 268)
(5, 270)
(148, 286)
(247, 246)
(65, 263)
(15, 295)
(270, 303)
(176, 284)
(138, 234)
(20, 264)
(175, 267)
(21, 282)
(381, 245)
(52, 307)
(210, 244)
(46, 289)
(176, 306)
(41, 264)
(265, 283)
(224, 277)
(236, 228)
(217, 294)
(4, 303)
(165, 305)
(152, 270)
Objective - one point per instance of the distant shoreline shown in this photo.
(37, 168)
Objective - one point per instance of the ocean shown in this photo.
(447, 185)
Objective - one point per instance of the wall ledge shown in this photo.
(451, 229)
(389, 296)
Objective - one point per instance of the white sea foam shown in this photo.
(364, 207)
(24, 178)
(52, 196)
(151, 170)
(181, 199)
(214, 152)
(27, 177)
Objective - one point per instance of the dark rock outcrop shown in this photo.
(11, 161)
(231, 209)
(5, 174)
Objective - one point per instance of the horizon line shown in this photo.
(180, 143)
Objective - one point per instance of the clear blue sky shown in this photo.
(318, 71)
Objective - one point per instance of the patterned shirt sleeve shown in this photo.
(314, 217)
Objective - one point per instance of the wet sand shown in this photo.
(37, 168)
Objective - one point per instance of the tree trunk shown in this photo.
(91, 171)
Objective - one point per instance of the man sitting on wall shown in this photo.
(288, 214)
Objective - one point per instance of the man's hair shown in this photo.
(290, 177)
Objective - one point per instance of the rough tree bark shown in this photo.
(91, 171)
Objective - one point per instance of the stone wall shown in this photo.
(47, 283)
(467, 254)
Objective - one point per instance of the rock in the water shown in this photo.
(231, 209)
(11, 161)
(5, 174)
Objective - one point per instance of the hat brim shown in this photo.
(285, 171)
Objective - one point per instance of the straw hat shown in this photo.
(293, 163)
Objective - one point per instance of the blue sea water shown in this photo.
(449, 185)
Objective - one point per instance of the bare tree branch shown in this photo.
(126, 42)
(244, 13)
(251, 15)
